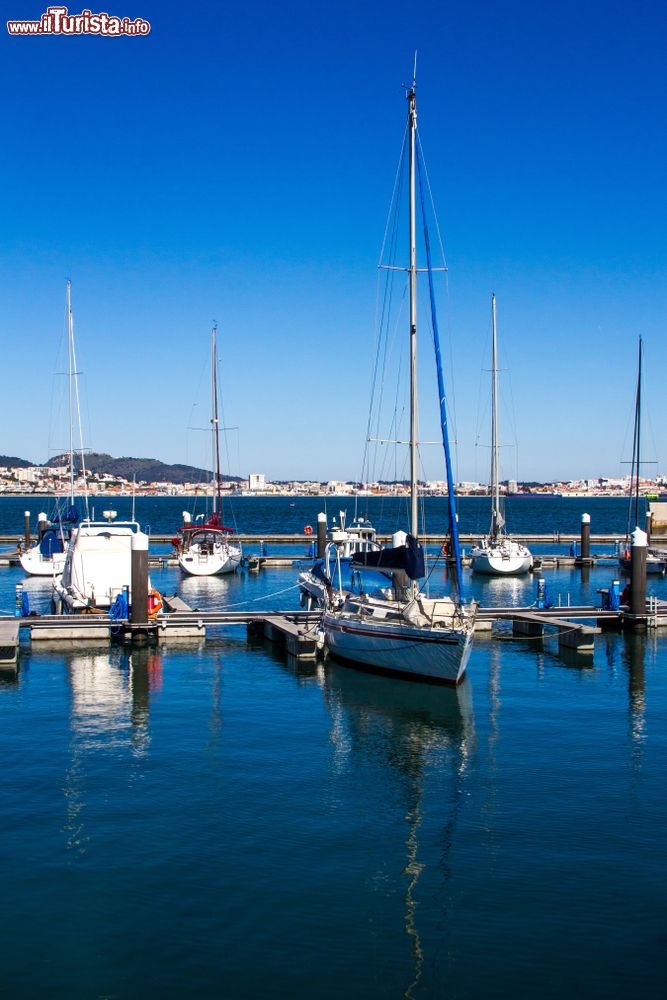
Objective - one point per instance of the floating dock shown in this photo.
(298, 630)
(9, 642)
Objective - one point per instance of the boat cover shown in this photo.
(49, 543)
(408, 557)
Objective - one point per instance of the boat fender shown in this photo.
(154, 603)
(307, 530)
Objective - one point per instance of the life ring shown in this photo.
(308, 530)
(154, 603)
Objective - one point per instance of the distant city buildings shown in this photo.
(56, 480)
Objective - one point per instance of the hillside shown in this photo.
(147, 470)
(9, 462)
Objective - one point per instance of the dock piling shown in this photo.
(585, 536)
(26, 528)
(321, 534)
(638, 574)
(139, 580)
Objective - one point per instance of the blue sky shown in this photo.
(238, 163)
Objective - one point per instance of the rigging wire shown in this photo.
(391, 231)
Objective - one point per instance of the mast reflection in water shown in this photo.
(421, 735)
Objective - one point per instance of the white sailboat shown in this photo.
(47, 556)
(398, 629)
(498, 554)
(210, 549)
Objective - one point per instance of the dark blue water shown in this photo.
(287, 515)
(213, 820)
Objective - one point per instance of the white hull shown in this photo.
(36, 564)
(98, 566)
(506, 559)
(223, 559)
(437, 654)
(313, 592)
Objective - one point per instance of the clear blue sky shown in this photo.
(238, 164)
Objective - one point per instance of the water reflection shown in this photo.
(209, 593)
(40, 592)
(216, 721)
(101, 697)
(416, 732)
(503, 591)
(110, 691)
(633, 654)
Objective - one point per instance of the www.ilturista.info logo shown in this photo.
(57, 21)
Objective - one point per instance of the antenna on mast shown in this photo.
(414, 74)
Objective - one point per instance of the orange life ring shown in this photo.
(308, 530)
(154, 603)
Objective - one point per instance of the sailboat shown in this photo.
(498, 554)
(399, 629)
(47, 556)
(210, 549)
(654, 564)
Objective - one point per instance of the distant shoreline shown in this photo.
(330, 496)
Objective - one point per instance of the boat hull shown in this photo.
(434, 654)
(654, 566)
(35, 564)
(500, 561)
(223, 560)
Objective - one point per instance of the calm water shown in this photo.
(216, 821)
(254, 515)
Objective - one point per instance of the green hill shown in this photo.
(146, 470)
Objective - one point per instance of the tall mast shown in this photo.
(638, 429)
(70, 359)
(412, 123)
(495, 473)
(214, 418)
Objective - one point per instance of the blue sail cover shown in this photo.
(71, 516)
(408, 557)
(49, 543)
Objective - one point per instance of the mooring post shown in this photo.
(139, 581)
(648, 525)
(321, 535)
(26, 528)
(638, 572)
(585, 536)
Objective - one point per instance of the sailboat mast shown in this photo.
(495, 473)
(638, 430)
(70, 359)
(412, 123)
(214, 419)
